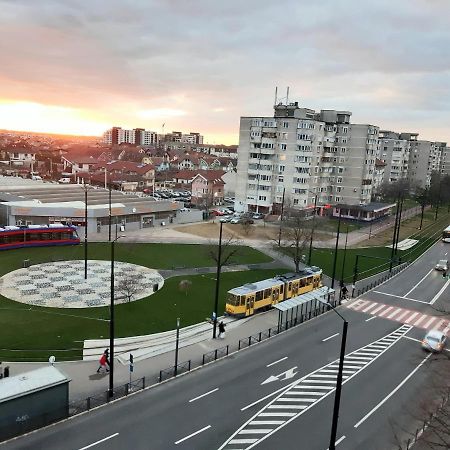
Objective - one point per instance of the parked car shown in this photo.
(434, 341)
(442, 265)
(246, 221)
(258, 216)
(235, 220)
(225, 219)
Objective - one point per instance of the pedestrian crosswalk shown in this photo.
(306, 392)
(402, 315)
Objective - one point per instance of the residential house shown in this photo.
(207, 188)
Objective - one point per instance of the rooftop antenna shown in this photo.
(287, 96)
(276, 92)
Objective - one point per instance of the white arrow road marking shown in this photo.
(288, 374)
(302, 394)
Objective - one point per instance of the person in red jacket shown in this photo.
(104, 361)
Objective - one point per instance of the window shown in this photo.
(339, 179)
(285, 124)
(262, 198)
(259, 296)
(283, 146)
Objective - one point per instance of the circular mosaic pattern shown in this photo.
(62, 285)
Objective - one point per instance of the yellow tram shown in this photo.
(250, 298)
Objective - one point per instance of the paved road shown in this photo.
(248, 401)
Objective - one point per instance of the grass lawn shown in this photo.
(157, 256)
(369, 264)
(45, 331)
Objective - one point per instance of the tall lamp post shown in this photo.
(86, 188)
(312, 228)
(343, 261)
(337, 396)
(216, 298)
(111, 323)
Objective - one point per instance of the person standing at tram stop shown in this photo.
(221, 331)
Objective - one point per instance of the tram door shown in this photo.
(250, 305)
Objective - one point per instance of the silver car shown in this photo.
(434, 341)
(442, 265)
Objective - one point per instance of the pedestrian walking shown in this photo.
(104, 361)
(344, 292)
(221, 330)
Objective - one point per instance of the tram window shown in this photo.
(267, 293)
(281, 288)
(302, 282)
(259, 296)
(309, 280)
(290, 286)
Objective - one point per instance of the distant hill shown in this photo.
(53, 135)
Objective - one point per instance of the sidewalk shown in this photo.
(87, 382)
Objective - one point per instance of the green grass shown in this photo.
(36, 332)
(369, 264)
(158, 256)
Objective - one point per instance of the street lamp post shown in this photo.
(177, 347)
(343, 260)
(312, 228)
(85, 229)
(281, 218)
(438, 200)
(216, 298)
(337, 395)
(111, 323)
(109, 213)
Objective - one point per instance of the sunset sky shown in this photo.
(79, 67)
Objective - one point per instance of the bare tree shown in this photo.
(230, 249)
(246, 227)
(128, 285)
(294, 237)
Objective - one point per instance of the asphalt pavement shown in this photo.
(247, 400)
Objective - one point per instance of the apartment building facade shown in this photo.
(425, 158)
(302, 154)
(445, 161)
(395, 151)
(136, 136)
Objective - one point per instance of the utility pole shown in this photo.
(395, 234)
(216, 298)
(281, 217)
(336, 249)
(312, 230)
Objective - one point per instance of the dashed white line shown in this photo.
(417, 284)
(100, 441)
(391, 394)
(276, 362)
(203, 395)
(398, 296)
(371, 318)
(193, 434)
(440, 292)
(330, 337)
(339, 440)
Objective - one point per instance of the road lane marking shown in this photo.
(404, 298)
(391, 315)
(100, 441)
(193, 434)
(440, 292)
(426, 325)
(371, 318)
(383, 313)
(402, 315)
(276, 362)
(413, 339)
(411, 318)
(378, 309)
(417, 284)
(313, 388)
(392, 393)
(330, 337)
(365, 310)
(290, 373)
(420, 320)
(339, 441)
(203, 395)
(267, 396)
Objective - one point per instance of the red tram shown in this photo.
(38, 236)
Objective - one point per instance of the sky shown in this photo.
(80, 67)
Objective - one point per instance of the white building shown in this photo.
(138, 136)
(395, 151)
(302, 153)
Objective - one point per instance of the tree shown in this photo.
(422, 197)
(184, 286)
(230, 249)
(392, 190)
(246, 227)
(294, 237)
(129, 284)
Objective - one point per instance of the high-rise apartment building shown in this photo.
(395, 152)
(178, 136)
(301, 153)
(425, 158)
(445, 161)
(138, 136)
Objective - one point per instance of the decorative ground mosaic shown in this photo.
(62, 285)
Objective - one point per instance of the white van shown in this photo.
(36, 178)
(64, 180)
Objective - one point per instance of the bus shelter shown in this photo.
(303, 307)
